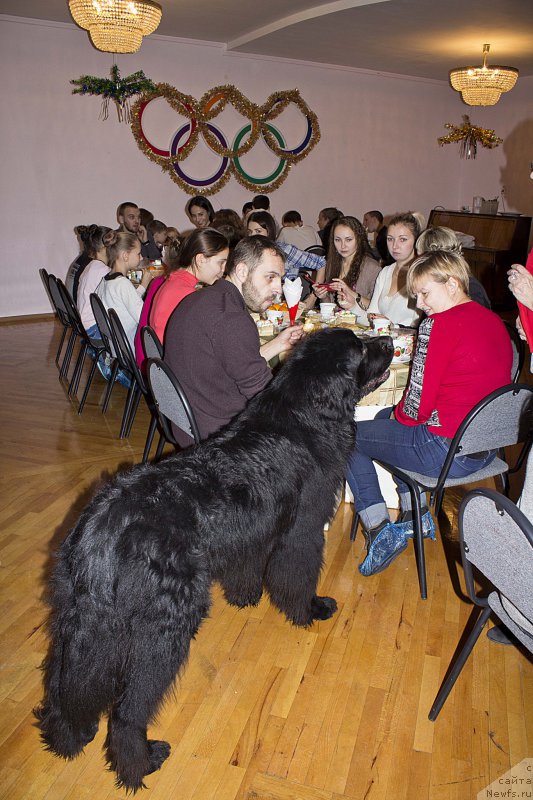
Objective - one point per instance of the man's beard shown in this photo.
(254, 301)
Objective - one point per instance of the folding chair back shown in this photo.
(497, 539)
(102, 321)
(46, 283)
(171, 401)
(498, 421)
(151, 345)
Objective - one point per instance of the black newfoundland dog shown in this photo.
(246, 508)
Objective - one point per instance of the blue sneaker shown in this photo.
(383, 547)
(428, 527)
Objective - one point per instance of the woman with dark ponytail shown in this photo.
(80, 262)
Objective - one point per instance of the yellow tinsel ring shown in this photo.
(201, 113)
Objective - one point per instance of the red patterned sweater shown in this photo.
(461, 355)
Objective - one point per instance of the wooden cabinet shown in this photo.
(500, 240)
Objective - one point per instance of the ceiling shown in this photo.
(420, 38)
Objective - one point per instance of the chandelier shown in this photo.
(483, 86)
(116, 26)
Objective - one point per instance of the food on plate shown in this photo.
(265, 327)
(346, 317)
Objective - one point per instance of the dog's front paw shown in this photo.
(323, 607)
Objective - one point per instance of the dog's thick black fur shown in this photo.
(247, 508)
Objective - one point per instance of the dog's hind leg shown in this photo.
(159, 649)
(66, 723)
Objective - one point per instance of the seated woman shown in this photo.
(441, 238)
(200, 211)
(91, 276)
(350, 269)
(115, 289)
(390, 298)
(463, 353)
(83, 258)
(200, 259)
(261, 223)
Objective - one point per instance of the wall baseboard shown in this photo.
(26, 318)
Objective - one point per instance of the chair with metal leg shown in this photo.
(63, 317)
(496, 539)
(501, 419)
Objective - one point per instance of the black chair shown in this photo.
(499, 420)
(171, 403)
(63, 317)
(44, 278)
(138, 387)
(497, 539)
(519, 351)
(104, 327)
(317, 249)
(86, 343)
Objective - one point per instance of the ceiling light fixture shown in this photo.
(483, 86)
(116, 26)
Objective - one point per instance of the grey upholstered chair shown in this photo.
(171, 403)
(497, 540)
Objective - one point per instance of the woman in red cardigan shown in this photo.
(463, 353)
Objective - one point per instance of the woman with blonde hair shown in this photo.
(441, 238)
(115, 290)
(463, 352)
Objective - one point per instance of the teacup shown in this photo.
(382, 326)
(327, 310)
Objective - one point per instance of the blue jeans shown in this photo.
(411, 448)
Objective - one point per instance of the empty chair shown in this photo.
(497, 421)
(46, 283)
(86, 342)
(63, 317)
(138, 386)
(497, 539)
(171, 403)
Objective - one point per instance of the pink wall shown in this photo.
(62, 166)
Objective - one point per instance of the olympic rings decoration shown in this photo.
(201, 113)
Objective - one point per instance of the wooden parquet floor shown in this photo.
(264, 711)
